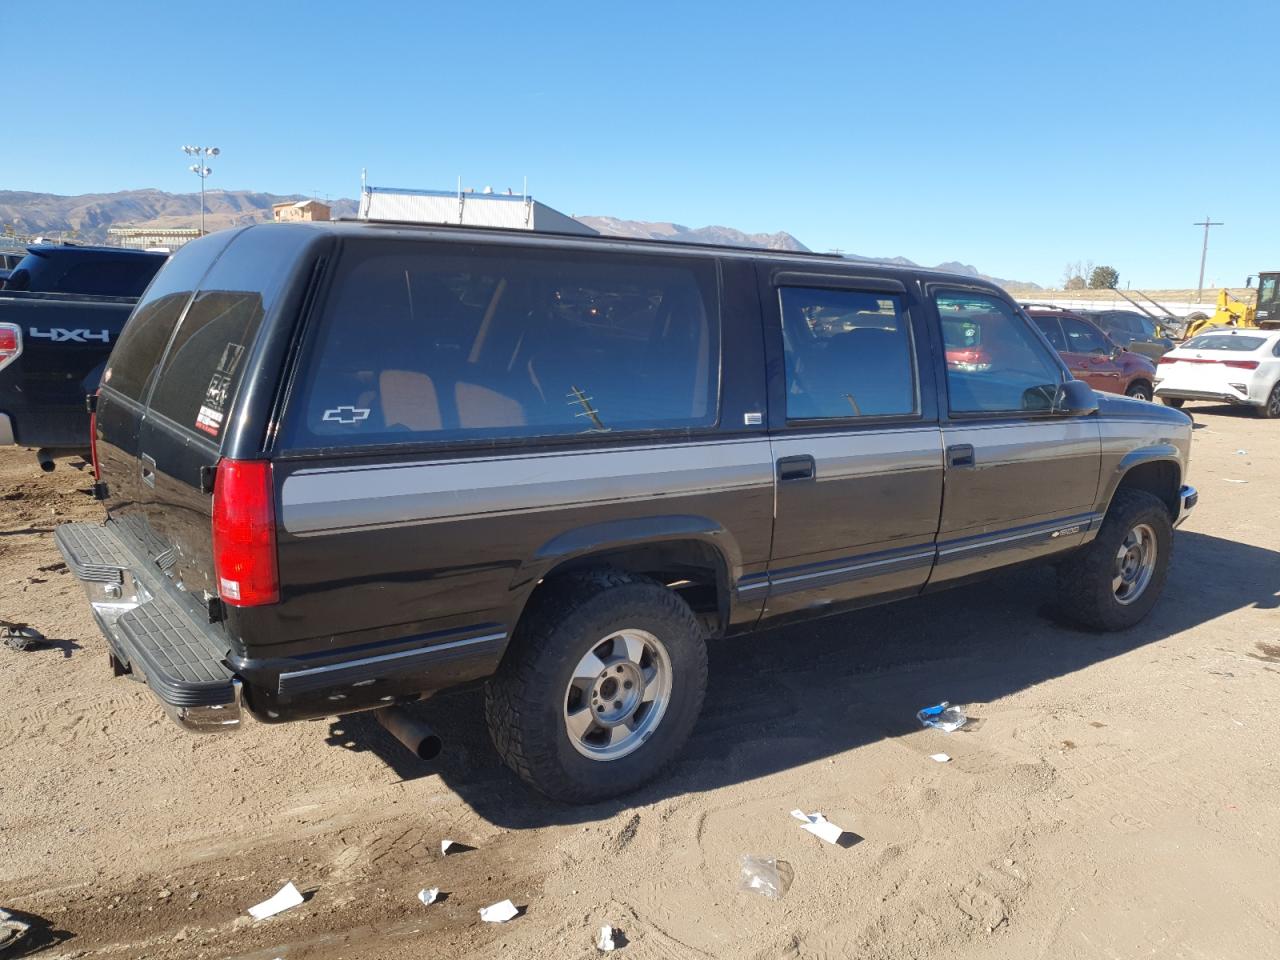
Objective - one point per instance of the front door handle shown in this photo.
(796, 468)
(960, 455)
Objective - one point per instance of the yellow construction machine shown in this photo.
(1236, 313)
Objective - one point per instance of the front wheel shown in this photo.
(1139, 390)
(1271, 409)
(1113, 583)
(601, 687)
(1175, 402)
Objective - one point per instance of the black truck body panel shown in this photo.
(70, 304)
(408, 545)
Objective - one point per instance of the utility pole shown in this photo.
(1204, 251)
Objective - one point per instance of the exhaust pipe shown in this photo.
(45, 459)
(422, 741)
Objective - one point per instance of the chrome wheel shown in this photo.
(1135, 564)
(1273, 402)
(617, 695)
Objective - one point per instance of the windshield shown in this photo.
(1225, 341)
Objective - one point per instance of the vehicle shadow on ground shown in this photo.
(788, 697)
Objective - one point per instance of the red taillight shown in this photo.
(244, 533)
(1241, 364)
(93, 437)
(10, 343)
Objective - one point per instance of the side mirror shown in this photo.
(1076, 399)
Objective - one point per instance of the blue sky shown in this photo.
(1014, 136)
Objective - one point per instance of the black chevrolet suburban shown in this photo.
(346, 465)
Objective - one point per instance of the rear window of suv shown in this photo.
(138, 349)
(427, 342)
(206, 359)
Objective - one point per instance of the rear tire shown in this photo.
(1175, 402)
(567, 709)
(1271, 409)
(1113, 583)
(1139, 390)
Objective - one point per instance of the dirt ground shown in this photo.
(1115, 796)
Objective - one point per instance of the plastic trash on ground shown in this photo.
(498, 912)
(819, 826)
(940, 757)
(287, 897)
(766, 876)
(943, 716)
(429, 896)
(605, 943)
(446, 846)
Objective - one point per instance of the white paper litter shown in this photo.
(498, 912)
(429, 896)
(818, 825)
(446, 845)
(287, 897)
(940, 757)
(1228, 480)
(605, 943)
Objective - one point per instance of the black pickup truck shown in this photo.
(61, 309)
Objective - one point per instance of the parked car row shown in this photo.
(345, 466)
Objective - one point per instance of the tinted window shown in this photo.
(206, 359)
(142, 341)
(1224, 341)
(995, 364)
(1049, 327)
(120, 277)
(1082, 338)
(848, 354)
(431, 342)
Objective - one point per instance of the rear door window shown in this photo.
(848, 354)
(1052, 331)
(426, 342)
(137, 352)
(205, 362)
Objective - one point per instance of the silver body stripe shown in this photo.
(390, 657)
(368, 497)
(855, 568)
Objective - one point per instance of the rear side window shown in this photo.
(424, 342)
(205, 361)
(137, 351)
(1049, 327)
(848, 354)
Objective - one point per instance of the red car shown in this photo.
(1093, 356)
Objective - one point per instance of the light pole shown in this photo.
(201, 171)
(1204, 250)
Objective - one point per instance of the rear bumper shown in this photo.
(1188, 497)
(151, 634)
(1176, 393)
(157, 635)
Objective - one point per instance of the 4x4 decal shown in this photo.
(61, 335)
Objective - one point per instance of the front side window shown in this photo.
(1082, 338)
(848, 354)
(995, 363)
(421, 342)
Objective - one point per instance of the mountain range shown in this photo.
(87, 217)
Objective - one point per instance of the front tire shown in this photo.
(1271, 409)
(1175, 402)
(1114, 582)
(1139, 390)
(601, 687)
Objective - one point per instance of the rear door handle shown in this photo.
(796, 468)
(960, 455)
